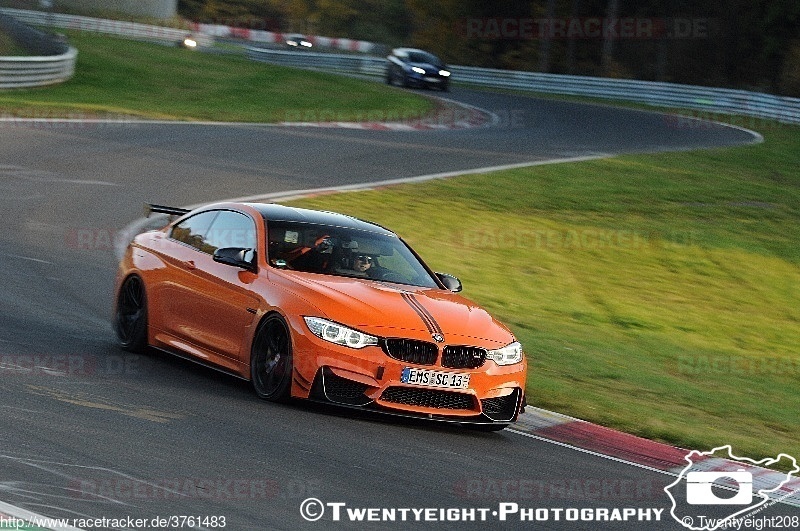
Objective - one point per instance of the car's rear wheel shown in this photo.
(130, 320)
(271, 359)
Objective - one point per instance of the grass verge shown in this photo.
(657, 294)
(9, 48)
(125, 77)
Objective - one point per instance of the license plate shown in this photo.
(448, 380)
(433, 80)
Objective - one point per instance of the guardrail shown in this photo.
(708, 99)
(120, 28)
(271, 37)
(344, 64)
(24, 72)
(55, 64)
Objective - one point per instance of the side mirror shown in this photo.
(237, 257)
(450, 282)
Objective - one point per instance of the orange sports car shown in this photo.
(320, 306)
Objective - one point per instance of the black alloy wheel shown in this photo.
(271, 359)
(130, 319)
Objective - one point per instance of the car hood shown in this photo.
(393, 310)
(428, 66)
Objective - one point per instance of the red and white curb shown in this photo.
(645, 453)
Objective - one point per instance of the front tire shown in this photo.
(130, 319)
(271, 360)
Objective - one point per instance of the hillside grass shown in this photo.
(657, 294)
(131, 78)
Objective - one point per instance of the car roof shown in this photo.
(275, 212)
(407, 50)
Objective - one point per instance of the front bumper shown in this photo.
(370, 379)
(427, 80)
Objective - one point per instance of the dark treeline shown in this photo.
(750, 44)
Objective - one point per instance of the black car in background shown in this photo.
(298, 41)
(411, 67)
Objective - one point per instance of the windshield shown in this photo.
(344, 252)
(422, 57)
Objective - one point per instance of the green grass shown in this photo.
(657, 294)
(116, 76)
(9, 48)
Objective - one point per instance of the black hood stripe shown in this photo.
(431, 324)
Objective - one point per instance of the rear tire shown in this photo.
(130, 319)
(271, 362)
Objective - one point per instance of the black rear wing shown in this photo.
(161, 209)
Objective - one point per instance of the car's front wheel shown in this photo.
(130, 319)
(271, 359)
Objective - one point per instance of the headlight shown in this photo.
(418, 70)
(507, 355)
(336, 333)
(444, 73)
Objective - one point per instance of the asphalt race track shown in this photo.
(91, 431)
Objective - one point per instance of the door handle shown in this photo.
(188, 264)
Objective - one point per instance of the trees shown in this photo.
(753, 44)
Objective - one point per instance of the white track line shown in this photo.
(299, 194)
(591, 452)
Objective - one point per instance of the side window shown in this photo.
(192, 231)
(230, 229)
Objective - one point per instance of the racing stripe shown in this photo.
(424, 314)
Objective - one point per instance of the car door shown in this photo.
(226, 300)
(210, 304)
(173, 296)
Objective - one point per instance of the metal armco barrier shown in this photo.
(23, 72)
(345, 64)
(707, 99)
(120, 28)
(55, 63)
